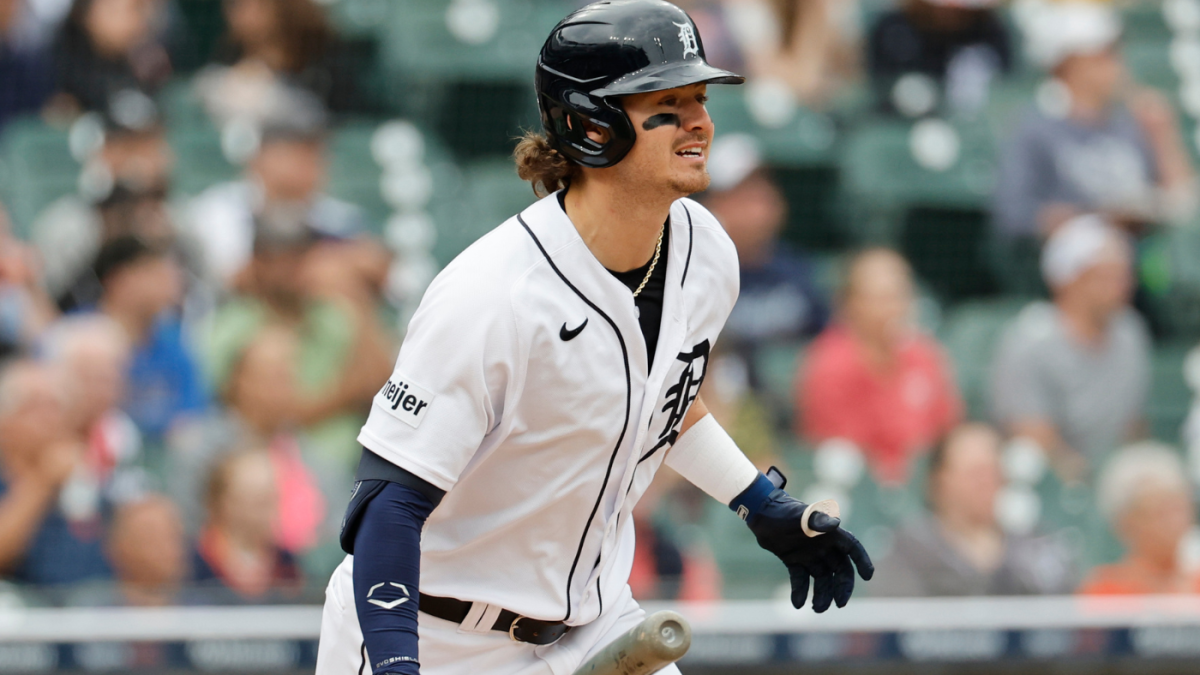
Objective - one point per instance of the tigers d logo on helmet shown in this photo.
(687, 37)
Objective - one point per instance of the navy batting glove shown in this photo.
(829, 559)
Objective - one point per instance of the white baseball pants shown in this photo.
(448, 649)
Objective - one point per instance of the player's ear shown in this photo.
(597, 133)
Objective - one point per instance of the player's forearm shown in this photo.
(387, 571)
(708, 458)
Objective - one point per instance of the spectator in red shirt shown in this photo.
(871, 377)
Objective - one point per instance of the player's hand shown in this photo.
(830, 558)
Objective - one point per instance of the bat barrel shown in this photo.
(659, 640)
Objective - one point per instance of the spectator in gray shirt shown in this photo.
(960, 548)
(1096, 142)
(1073, 375)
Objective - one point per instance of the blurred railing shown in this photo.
(1017, 634)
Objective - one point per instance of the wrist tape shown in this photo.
(709, 459)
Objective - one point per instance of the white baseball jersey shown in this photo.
(523, 390)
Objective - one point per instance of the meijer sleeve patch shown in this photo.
(405, 400)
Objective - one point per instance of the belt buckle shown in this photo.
(512, 629)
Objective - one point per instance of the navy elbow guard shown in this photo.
(382, 528)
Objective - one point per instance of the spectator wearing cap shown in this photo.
(1096, 142)
(959, 547)
(960, 45)
(872, 377)
(108, 46)
(124, 188)
(1073, 374)
(287, 173)
(1144, 494)
(779, 302)
(141, 287)
(48, 534)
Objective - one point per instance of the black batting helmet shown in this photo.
(610, 49)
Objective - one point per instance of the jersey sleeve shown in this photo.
(448, 388)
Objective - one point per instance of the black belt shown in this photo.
(519, 628)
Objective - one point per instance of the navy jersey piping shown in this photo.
(624, 426)
(688, 261)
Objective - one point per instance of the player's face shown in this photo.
(673, 134)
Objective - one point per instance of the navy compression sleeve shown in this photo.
(387, 569)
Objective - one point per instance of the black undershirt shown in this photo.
(650, 301)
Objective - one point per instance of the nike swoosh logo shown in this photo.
(568, 335)
(388, 605)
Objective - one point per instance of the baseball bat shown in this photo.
(658, 641)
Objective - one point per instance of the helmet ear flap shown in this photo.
(566, 120)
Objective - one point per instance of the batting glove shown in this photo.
(829, 556)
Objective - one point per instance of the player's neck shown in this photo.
(619, 226)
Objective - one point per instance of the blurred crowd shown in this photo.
(184, 375)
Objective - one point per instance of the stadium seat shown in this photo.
(418, 40)
(970, 333)
(776, 364)
(1144, 22)
(1150, 62)
(882, 177)
(353, 172)
(489, 192)
(39, 168)
(199, 160)
(1170, 396)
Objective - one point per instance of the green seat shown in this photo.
(1144, 22)
(776, 365)
(1149, 61)
(39, 168)
(489, 192)
(354, 175)
(881, 177)
(417, 41)
(1170, 396)
(810, 137)
(199, 159)
(971, 333)
(878, 164)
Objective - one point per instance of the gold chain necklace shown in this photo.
(653, 262)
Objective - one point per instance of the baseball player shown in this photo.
(549, 372)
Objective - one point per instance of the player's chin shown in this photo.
(690, 181)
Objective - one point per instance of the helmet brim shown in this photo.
(668, 76)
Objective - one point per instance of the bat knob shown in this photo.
(674, 635)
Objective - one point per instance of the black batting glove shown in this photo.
(830, 558)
